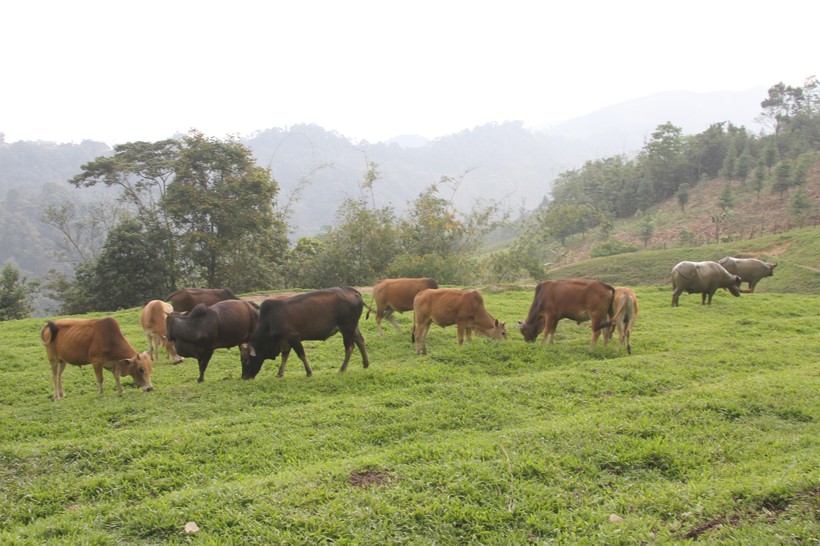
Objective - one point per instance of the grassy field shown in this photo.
(708, 431)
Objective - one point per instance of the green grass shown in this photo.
(708, 431)
(796, 252)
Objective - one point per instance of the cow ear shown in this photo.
(251, 350)
(496, 323)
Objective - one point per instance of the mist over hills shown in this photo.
(317, 169)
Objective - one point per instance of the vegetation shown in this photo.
(708, 431)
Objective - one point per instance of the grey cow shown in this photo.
(749, 270)
(704, 278)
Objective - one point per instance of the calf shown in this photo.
(223, 325)
(397, 295)
(576, 299)
(152, 318)
(448, 306)
(98, 342)
(625, 309)
(185, 299)
(285, 323)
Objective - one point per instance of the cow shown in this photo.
(185, 299)
(576, 299)
(704, 278)
(749, 270)
(625, 312)
(314, 316)
(98, 342)
(397, 295)
(204, 329)
(448, 306)
(152, 319)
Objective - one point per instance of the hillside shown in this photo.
(752, 217)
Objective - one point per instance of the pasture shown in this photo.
(708, 431)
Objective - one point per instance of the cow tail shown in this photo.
(413, 334)
(604, 325)
(610, 311)
(52, 333)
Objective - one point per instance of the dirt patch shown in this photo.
(368, 477)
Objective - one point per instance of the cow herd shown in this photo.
(194, 322)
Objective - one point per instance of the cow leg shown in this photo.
(751, 289)
(98, 371)
(203, 365)
(57, 369)
(675, 295)
(379, 316)
(460, 330)
(469, 332)
(300, 352)
(358, 339)
(285, 355)
(550, 324)
(171, 352)
(421, 338)
(389, 316)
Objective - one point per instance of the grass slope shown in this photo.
(708, 431)
(796, 252)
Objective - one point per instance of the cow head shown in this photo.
(251, 361)
(499, 331)
(734, 288)
(139, 367)
(530, 331)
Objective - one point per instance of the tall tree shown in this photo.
(222, 205)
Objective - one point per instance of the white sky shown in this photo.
(120, 71)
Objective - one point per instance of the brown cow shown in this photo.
(397, 295)
(576, 299)
(625, 308)
(448, 306)
(98, 342)
(185, 299)
(152, 319)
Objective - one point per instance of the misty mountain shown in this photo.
(318, 169)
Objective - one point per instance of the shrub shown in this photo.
(610, 247)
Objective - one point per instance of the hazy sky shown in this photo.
(125, 71)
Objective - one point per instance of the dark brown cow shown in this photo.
(285, 323)
(98, 342)
(397, 295)
(576, 299)
(448, 306)
(223, 325)
(152, 320)
(185, 299)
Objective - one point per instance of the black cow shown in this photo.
(317, 315)
(185, 299)
(223, 325)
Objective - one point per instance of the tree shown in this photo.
(221, 205)
(726, 199)
(745, 164)
(682, 196)
(729, 167)
(759, 179)
(771, 155)
(15, 293)
(782, 178)
(646, 228)
(801, 206)
(127, 272)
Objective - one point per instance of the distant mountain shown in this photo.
(624, 128)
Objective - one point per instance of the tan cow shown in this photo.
(397, 295)
(576, 299)
(448, 306)
(98, 342)
(152, 319)
(625, 308)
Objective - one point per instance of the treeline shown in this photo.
(671, 164)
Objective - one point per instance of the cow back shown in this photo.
(83, 341)
(185, 299)
(314, 315)
(400, 293)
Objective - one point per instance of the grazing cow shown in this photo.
(223, 325)
(152, 319)
(704, 278)
(314, 316)
(448, 306)
(185, 299)
(397, 295)
(625, 309)
(749, 270)
(98, 342)
(576, 299)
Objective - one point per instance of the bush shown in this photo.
(610, 247)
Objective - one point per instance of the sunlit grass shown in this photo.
(708, 430)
